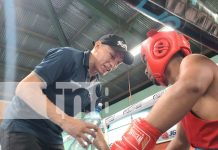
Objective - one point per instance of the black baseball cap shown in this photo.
(118, 44)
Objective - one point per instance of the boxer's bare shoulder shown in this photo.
(206, 105)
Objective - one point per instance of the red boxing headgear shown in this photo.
(159, 48)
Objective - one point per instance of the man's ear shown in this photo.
(97, 43)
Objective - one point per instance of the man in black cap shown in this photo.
(35, 120)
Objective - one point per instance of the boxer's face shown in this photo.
(147, 68)
(148, 73)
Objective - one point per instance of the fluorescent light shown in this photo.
(136, 50)
(167, 28)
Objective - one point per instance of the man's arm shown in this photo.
(180, 141)
(3, 105)
(30, 91)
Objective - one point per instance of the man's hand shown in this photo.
(100, 142)
(78, 129)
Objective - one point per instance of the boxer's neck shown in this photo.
(172, 70)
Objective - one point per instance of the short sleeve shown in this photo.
(55, 65)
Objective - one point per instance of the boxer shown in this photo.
(191, 100)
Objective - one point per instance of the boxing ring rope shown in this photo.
(134, 109)
(146, 103)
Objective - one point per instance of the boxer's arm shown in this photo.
(196, 75)
(180, 141)
(192, 83)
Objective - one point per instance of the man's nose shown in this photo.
(114, 65)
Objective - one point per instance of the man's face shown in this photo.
(107, 59)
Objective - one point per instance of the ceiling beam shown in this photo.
(101, 11)
(26, 52)
(64, 8)
(45, 38)
(55, 22)
(83, 28)
(132, 18)
(106, 2)
(31, 8)
(38, 35)
(98, 12)
(18, 68)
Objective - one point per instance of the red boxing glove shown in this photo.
(141, 136)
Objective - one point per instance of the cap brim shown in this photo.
(128, 57)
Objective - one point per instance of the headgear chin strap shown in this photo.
(159, 48)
